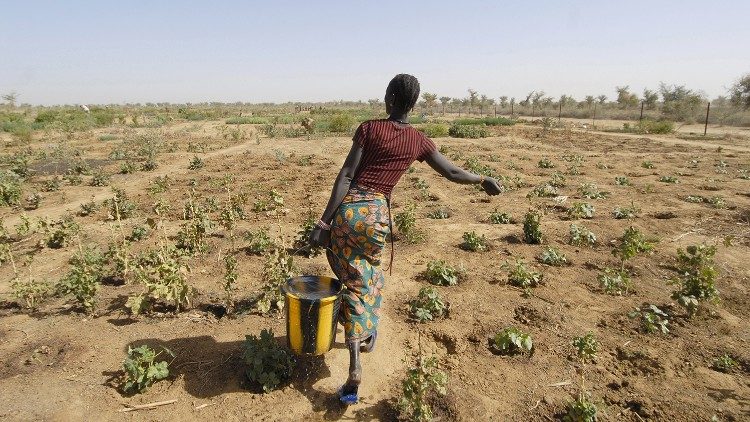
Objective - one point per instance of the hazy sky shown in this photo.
(54, 52)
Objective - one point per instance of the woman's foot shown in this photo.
(348, 395)
(368, 345)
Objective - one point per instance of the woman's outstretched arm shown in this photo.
(456, 174)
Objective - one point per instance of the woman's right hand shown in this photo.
(491, 186)
(319, 237)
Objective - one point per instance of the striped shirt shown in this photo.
(389, 149)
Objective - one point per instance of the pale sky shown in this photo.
(70, 52)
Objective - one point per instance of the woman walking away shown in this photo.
(356, 221)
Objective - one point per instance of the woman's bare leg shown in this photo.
(355, 368)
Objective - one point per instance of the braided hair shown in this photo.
(406, 91)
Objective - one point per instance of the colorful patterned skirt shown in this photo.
(358, 234)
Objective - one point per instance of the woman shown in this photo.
(356, 220)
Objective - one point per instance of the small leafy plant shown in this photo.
(696, 277)
(142, 370)
(440, 273)
(406, 223)
(422, 381)
(545, 190)
(303, 234)
(581, 236)
(581, 210)
(552, 256)
(532, 229)
(512, 341)
(558, 180)
(439, 214)
(582, 409)
(615, 282)
(499, 217)
(586, 346)
(631, 244)
(520, 276)
(268, 363)
(259, 241)
(162, 274)
(591, 191)
(622, 181)
(428, 305)
(626, 212)
(279, 267)
(647, 165)
(196, 163)
(83, 278)
(545, 163)
(474, 242)
(725, 363)
(669, 179)
(652, 319)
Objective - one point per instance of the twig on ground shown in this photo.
(147, 406)
(560, 384)
(536, 405)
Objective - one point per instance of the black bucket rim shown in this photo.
(333, 296)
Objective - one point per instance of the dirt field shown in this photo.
(60, 364)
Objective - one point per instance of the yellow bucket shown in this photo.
(312, 308)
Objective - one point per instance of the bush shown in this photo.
(341, 123)
(653, 126)
(487, 121)
(268, 363)
(434, 130)
(512, 340)
(246, 120)
(10, 190)
(468, 131)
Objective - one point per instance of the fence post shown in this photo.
(532, 111)
(705, 128)
(593, 118)
(511, 110)
(641, 118)
(495, 110)
(559, 113)
(459, 112)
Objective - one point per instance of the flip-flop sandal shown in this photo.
(369, 345)
(347, 399)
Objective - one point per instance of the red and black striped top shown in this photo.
(389, 149)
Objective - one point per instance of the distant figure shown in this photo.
(85, 108)
(356, 221)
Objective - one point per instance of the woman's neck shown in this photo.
(401, 117)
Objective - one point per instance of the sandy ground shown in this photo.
(59, 364)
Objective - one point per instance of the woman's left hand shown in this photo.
(319, 237)
(491, 186)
